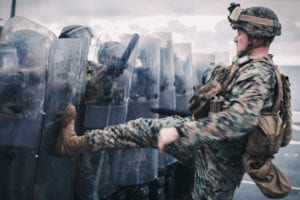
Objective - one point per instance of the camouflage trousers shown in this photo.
(209, 181)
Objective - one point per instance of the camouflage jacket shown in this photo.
(219, 140)
(98, 86)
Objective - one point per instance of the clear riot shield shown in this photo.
(202, 65)
(167, 99)
(144, 92)
(106, 102)
(22, 109)
(109, 105)
(183, 75)
(140, 166)
(66, 77)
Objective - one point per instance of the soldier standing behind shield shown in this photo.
(28, 98)
(215, 141)
(96, 79)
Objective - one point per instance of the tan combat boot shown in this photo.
(68, 143)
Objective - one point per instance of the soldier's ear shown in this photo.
(257, 41)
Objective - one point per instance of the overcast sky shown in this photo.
(203, 23)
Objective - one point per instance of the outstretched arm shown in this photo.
(248, 94)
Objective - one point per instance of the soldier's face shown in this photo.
(241, 40)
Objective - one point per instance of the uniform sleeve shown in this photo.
(248, 93)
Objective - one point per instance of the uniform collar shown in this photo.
(245, 59)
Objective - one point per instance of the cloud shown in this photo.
(203, 23)
(290, 31)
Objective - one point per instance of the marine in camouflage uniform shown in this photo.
(98, 88)
(213, 144)
(24, 89)
(98, 84)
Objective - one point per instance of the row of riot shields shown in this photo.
(136, 76)
(132, 88)
(156, 80)
(22, 104)
(183, 74)
(39, 75)
(106, 104)
(143, 95)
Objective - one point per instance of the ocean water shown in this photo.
(294, 75)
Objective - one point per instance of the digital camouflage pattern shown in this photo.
(213, 145)
(98, 85)
(255, 28)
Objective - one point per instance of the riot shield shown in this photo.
(22, 112)
(183, 75)
(106, 104)
(167, 99)
(139, 166)
(65, 84)
(109, 105)
(144, 92)
(202, 65)
(10, 79)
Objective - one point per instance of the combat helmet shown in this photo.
(255, 21)
(76, 31)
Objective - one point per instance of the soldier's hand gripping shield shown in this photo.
(139, 166)
(106, 104)
(22, 108)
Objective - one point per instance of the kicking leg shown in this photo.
(139, 133)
